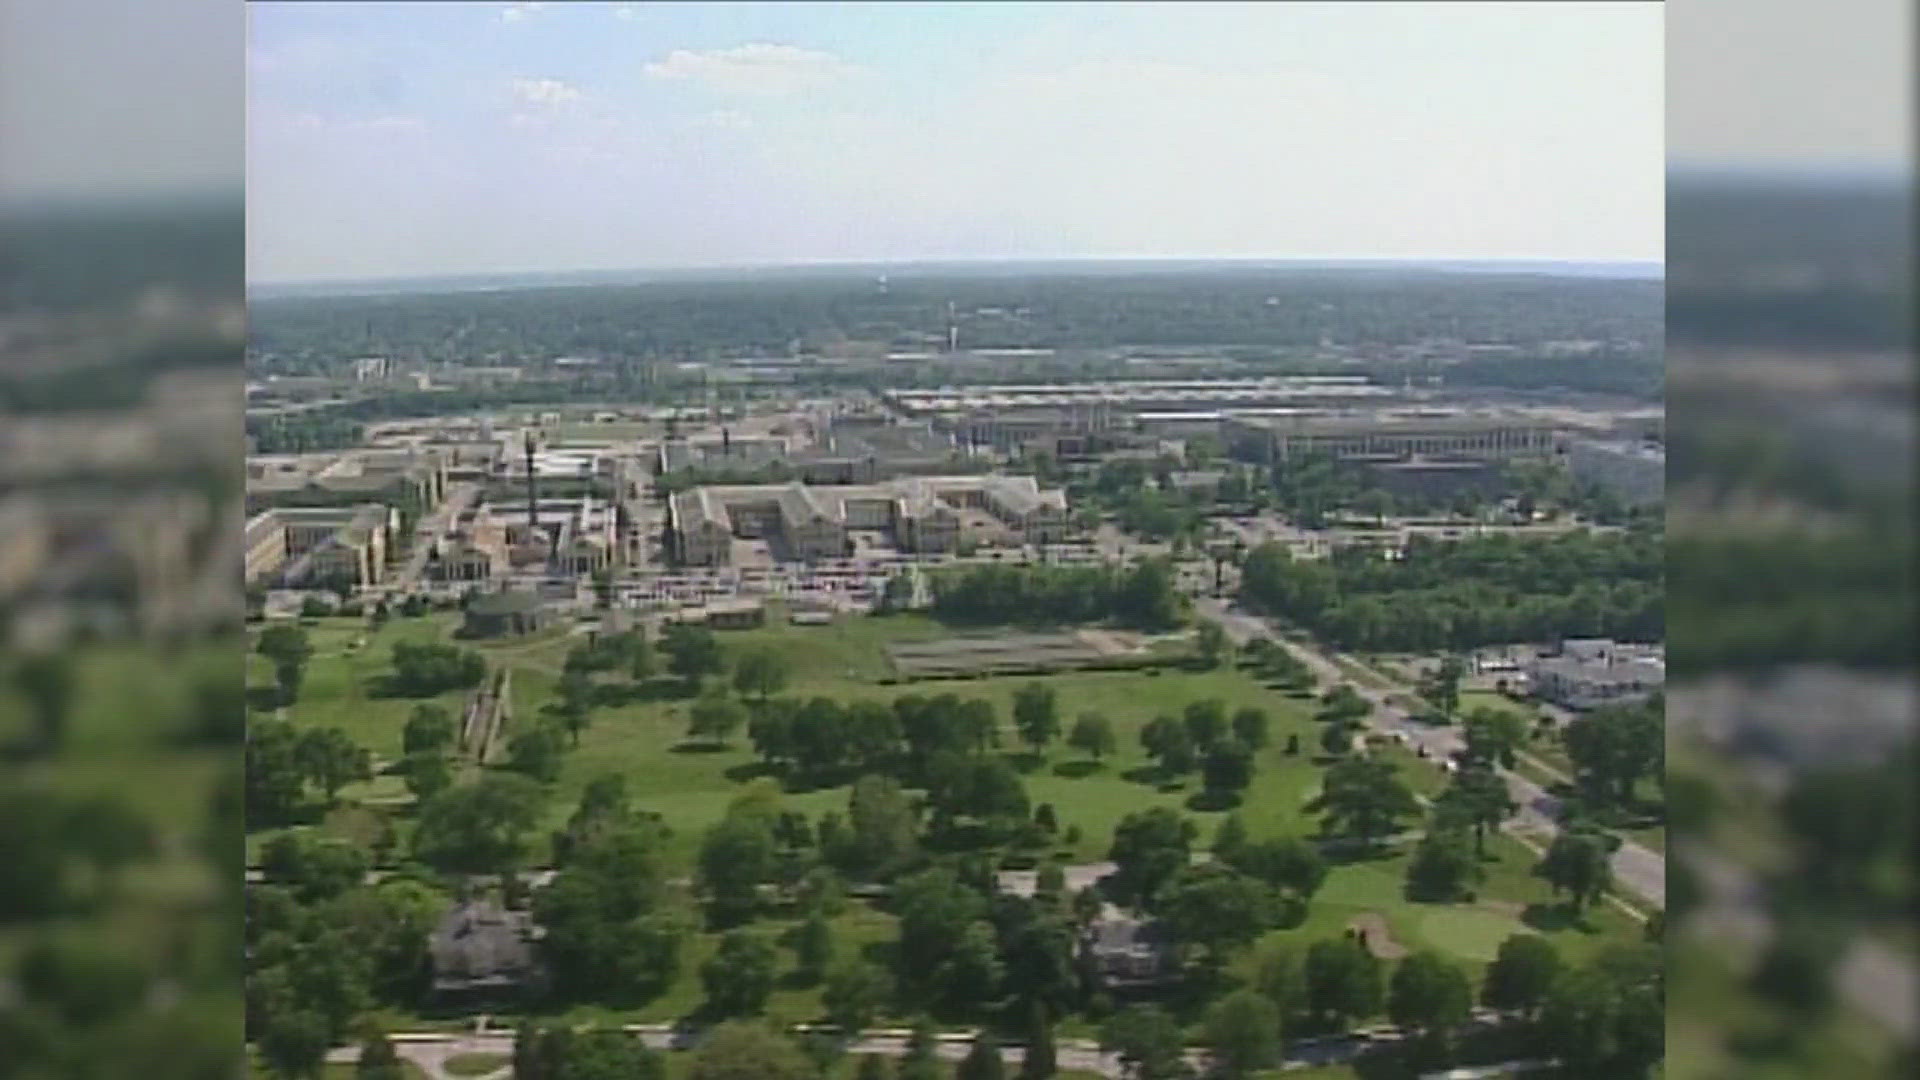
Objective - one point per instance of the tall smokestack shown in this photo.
(533, 518)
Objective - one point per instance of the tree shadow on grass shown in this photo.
(1212, 801)
(1023, 761)
(263, 698)
(748, 771)
(1074, 770)
(1149, 775)
(1548, 918)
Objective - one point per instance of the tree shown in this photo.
(735, 857)
(983, 1059)
(740, 1050)
(575, 707)
(1037, 1061)
(1216, 909)
(1442, 867)
(855, 993)
(1428, 992)
(921, 1061)
(1363, 798)
(1092, 735)
(1211, 644)
(315, 867)
(1494, 737)
(1243, 1032)
(1286, 862)
(715, 718)
(1148, 1042)
(1036, 714)
(1444, 689)
(739, 975)
(274, 781)
(378, 1061)
(872, 1066)
(429, 729)
(294, 1043)
(641, 664)
(1250, 726)
(1149, 848)
(1280, 975)
(1229, 839)
(812, 947)
(332, 760)
(1578, 864)
(1227, 769)
(537, 752)
(1337, 738)
(1608, 1017)
(1343, 980)
(1611, 749)
(693, 652)
(761, 673)
(1522, 974)
(1206, 723)
(427, 774)
(1478, 798)
(883, 826)
(478, 828)
(1167, 740)
(284, 641)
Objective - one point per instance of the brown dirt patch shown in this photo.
(1373, 931)
(1109, 642)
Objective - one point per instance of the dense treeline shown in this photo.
(991, 595)
(300, 433)
(690, 319)
(1470, 593)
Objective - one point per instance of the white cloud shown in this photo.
(517, 12)
(756, 69)
(627, 12)
(724, 120)
(543, 93)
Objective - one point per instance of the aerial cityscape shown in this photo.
(922, 653)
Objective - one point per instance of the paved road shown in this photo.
(1637, 868)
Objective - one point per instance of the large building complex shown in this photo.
(298, 544)
(811, 522)
(1634, 472)
(1275, 435)
(410, 476)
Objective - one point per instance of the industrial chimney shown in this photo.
(533, 518)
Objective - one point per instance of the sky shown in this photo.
(427, 139)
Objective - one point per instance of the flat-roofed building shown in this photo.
(1595, 672)
(349, 544)
(265, 541)
(1634, 472)
(1275, 435)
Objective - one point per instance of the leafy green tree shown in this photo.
(883, 824)
(1092, 735)
(1428, 992)
(715, 717)
(1148, 1042)
(1149, 848)
(1443, 866)
(1216, 910)
(1280, 975)
(1036, 714)
(1578, 863)
(1037, 1061)
(1521, 974)
(812, 947)
(693, 653)
(1211, 644)
(739, 976)
(921, 1061)
(1608, 1016)
(1287, 862)
(1478, 798)
(736, 856)
(1494, 737)
(378, 1061)
(873, 1066)
(983, 1059)
(538, 752)
(1363, 798)
(760, 673)
(1344, 982)
(1250, 726)
(855, 993)
(429, 729)
(427, 774)
(294, 1044)
(332, 760)
(1206, 723)
(1242, 1031)
(1166, 740)
(478, 828)
(315, 867)
(741, 1050)
(1227, 769)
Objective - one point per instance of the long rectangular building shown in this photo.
(1455, 433)
(811, 521)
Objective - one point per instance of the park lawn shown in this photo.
(690, 786)
(1498, 702)
(476, 1064)
(1510, 900)
(333, 1070)
(339, 687)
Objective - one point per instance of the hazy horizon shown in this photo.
(407, 141)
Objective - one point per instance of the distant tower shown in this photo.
(726, 442)
(953, 329)
(533, 517)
